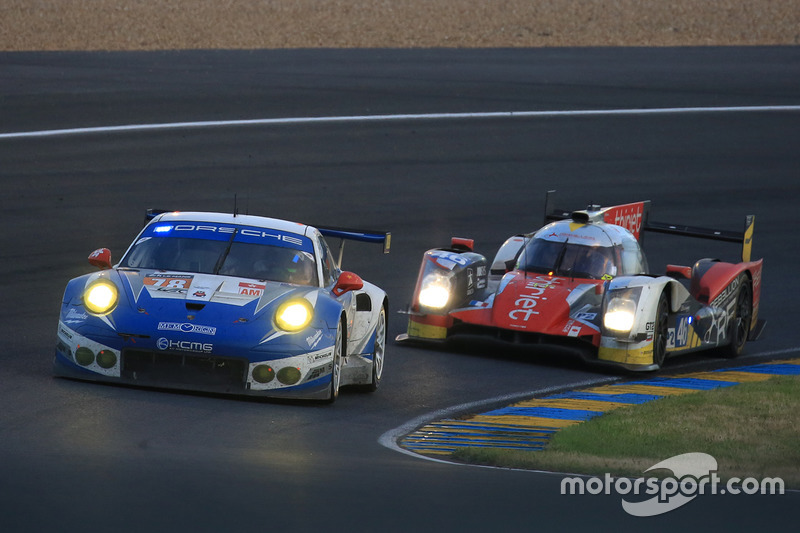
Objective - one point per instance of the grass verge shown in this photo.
(750, 429)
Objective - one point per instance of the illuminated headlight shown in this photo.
(434, 292)
(620, 314)
(294, 315)
(100, 297)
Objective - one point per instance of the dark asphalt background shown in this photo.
(77, 456)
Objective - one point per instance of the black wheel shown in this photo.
(740, 324)
(336, 370)
(661, 331)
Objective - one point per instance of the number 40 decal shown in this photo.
(679, 336)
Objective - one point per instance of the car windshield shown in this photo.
(565, 258)
(225, 256)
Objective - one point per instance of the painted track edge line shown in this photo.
(389, 438)
(397, 117)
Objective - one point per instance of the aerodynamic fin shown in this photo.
(632, 217)
(371, 236)
(744, 237)
(747, 239)
(635, 218)
(151, 213)
(376, 237)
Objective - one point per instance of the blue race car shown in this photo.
(233, 304)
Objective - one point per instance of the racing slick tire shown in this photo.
(740, 325)
(336, 370)
(661, 333)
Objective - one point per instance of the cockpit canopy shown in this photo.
(589, 251)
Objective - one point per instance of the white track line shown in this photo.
(392, 118)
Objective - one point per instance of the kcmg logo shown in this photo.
(184, 346)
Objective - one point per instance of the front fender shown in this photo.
(635, 350)
(651, 289)
(466, 273)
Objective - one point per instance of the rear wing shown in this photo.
(635, 218)
(370, 236)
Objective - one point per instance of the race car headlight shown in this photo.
(621, 310)
(294, 315)
(619, 315)
(434, 291)
(100, 297)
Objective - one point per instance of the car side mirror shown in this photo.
(677, 271)
(510, 264)
(348, 281)
(101, 258)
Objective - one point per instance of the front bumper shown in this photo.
(635, 356)
(261, 373)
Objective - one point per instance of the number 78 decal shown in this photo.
(168, 282)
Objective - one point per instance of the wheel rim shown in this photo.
(336, 372)
(380, 346)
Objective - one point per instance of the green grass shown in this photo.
(751, 430)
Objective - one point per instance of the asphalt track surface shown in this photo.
(78, 456)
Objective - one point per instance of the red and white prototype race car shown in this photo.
(582, 282)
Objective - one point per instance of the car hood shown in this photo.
(201, 289)
(540, 303)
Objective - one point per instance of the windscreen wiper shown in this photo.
(224, 256)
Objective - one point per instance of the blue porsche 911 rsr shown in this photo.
(235, 304)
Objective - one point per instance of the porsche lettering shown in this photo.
(198, 227)
(243, 231)
(266, 235)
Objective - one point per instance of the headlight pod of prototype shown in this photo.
(100, 297)
(434, 292)
(620, 312)
(294, 315)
